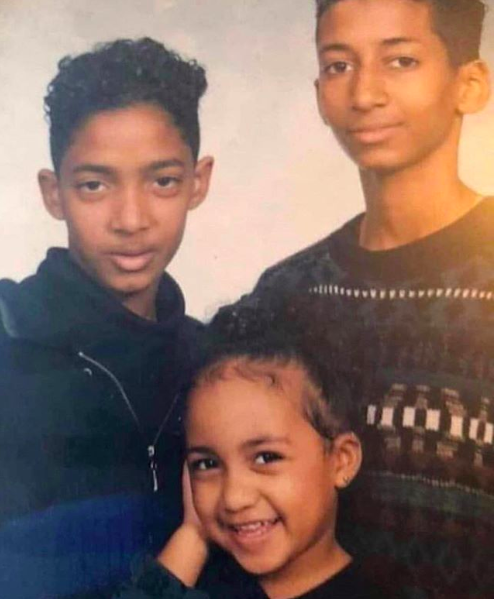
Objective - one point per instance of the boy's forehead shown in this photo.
(109, 130)
(393, 19)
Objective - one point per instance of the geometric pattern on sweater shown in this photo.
(421, 419)
(415, 332)
(452, 420)
(432, 537)
(402, 294)
(426, 386)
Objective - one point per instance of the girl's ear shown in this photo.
(348, 452)
(475, 88)
(48, 184)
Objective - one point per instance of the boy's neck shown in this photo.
(407, 205)
(295, 581)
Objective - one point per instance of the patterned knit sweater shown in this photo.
(417, 331)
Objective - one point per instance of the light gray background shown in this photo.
(280, 182)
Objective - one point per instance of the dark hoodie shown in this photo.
(88, 392)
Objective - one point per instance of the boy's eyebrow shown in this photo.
(395, 41)
(93, 168)
(341, 47)
(107, 170)
(335, 47)
(159, 164)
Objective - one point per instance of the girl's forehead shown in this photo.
(247, 404)
(286, 382)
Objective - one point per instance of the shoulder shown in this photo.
(191, 330)
(305, 262)
(8, 292)
(306, 259)
(284, 280)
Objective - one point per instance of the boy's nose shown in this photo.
(369, 89)
(131, 212)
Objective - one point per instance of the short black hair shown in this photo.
(458, 23)
(119, 74)
(255, 343)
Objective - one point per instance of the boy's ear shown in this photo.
(475, 89)
(348, 452)
(48, 184)
(319, 105)
(202, 178)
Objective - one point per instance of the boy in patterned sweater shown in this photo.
(411, 281)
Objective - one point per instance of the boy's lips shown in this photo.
(371, 134)
(130, 261)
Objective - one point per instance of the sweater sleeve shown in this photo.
(153, 581)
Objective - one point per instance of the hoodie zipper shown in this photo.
(151, 449)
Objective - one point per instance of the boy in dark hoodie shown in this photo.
(95, 348)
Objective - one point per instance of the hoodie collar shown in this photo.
(61, 306)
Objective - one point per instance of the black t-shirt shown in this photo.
(346, 584)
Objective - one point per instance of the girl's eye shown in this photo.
(404, 62)
(266, 457)
(203, 464)
(338, 67)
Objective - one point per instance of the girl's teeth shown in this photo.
(253, 527)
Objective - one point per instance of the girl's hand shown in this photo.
(187, 551)
(190, 514)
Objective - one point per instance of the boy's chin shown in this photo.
(376, 162)
(383, 161)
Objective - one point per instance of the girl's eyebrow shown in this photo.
(198, 449)
(249, 444)
(252, 443)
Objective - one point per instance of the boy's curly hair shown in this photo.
(119, 74)
(458, 23)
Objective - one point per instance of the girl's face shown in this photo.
(263, 480)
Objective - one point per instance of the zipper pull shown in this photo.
(153, 466)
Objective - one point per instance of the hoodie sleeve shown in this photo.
(153, 581)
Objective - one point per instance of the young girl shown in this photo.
(269, 448)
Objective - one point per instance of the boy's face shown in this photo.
(124, 189)
(386, 86)
(263, 480)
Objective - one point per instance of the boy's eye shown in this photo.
(203, 464)
(266, 457)
(91, 186)
(403, 62)
(166, 182)
(339, 67)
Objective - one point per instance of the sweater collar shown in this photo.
(427, 256)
